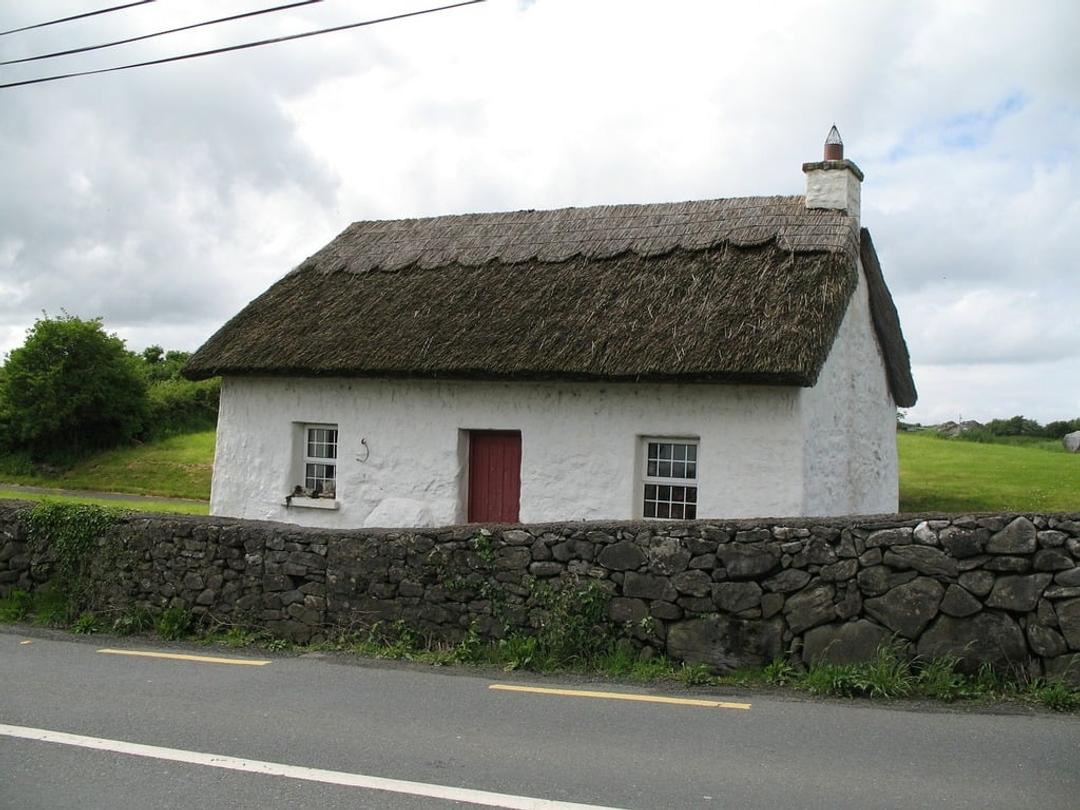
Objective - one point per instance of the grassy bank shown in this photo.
(176, 467)
(952, 475)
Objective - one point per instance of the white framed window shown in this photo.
(669, 486)
(320, 460)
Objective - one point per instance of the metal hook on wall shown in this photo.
(367, 451)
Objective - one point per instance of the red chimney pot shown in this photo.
(834, 147)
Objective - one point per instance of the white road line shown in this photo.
(455, 794)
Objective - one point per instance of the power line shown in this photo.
(75, 17)
(160, 33)
(245, 45)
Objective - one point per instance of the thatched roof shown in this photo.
(739, 290)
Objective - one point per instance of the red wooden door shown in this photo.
(494, 476)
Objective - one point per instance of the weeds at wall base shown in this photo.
(889, 676)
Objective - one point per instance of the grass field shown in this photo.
(177, 467)
(936, 475)
(951, 475)
(133, 506)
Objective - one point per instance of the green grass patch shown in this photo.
(128, 506)
(952, 475)
(176, 467)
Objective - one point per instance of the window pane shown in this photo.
(691, 512)
(679, 452)
(691, 470)
(654, 450)
(678, 469)
(664, 469)
(650, 492)
(664, 493)
(691, 452)
(662, 510)
(678, 493)
(677, 511)
(691, 494)
(650, 509)
(665, 450)
(651, 471)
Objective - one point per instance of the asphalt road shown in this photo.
(438, 731)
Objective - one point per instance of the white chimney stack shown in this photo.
(833, 182)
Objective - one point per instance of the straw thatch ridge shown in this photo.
(887, 326)
(748, 290)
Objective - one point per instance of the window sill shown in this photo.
(311, 503)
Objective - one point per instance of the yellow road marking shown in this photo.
(204, 659)
(539, 690)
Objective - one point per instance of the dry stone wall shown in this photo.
(1003, 589)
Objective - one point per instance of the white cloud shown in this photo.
(164, 199)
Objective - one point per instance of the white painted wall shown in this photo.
(765, 451)
(580, 445)
(834, 188)
(849, 421)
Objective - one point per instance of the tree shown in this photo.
(71, 387)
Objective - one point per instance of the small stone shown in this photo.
(879, 579)
(622, 556)
(925, 535)
(747, 561)
(1061, 592)
(692, 583)
(961, 543)
(667, 556)
(1018, 565)
(810, 607)
(787, 581)
(889, 537)
(517, 537)
(871, 557)
(840, 572)
(753, 536)
(979, 583)
(1068, 614)
(732, 597)
(1044, 641)
(1046, 613)
(958, 602)
(1053, 559)
(1050, 538)
(907, 609)
(622, 610)
(1016, 538)
(665, 610)
(771, 604)
(817, 551)
(850, 605)
(546, 569)
(1018, 593)
(704, 562)
(925, 560)
(647, 586)
(1065, 668)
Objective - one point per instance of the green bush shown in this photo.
(181, 406)
(71, 388)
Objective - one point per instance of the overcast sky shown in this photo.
(163, 199)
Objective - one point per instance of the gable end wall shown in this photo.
(849, 423)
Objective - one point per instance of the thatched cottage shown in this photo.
(718, 358)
